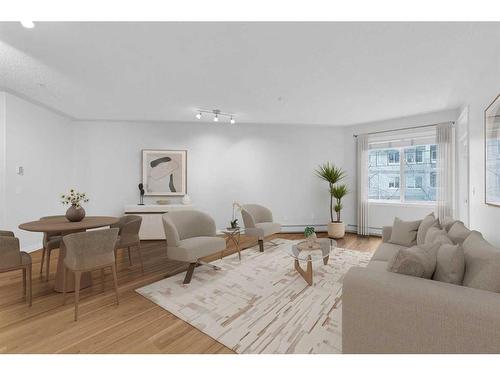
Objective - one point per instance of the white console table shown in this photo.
(152, 225)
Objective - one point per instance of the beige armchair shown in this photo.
(259, 223)
(190, 236)
(89, 251)
(12, 259)
(51, 241)
(128, 236)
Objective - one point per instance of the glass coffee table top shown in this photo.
(320, 250)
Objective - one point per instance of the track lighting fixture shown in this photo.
(217, 115)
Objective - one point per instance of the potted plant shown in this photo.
(333, 175)
(75, 211)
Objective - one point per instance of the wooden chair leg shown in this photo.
(78, 276)
(65, 276)
(47, 266)
(30, 292)
(140, 256)
(115, 281)
(116, 259)
(102, 280)
(189, 273)
(41, 263)
(261, 246)
(24, 282)
(129, 256)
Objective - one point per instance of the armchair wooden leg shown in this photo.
(30, 292)
(78, 276)
(140, 256)
(115, 281)
(189, 273)
(261, 246)
(129, 256)
(41, 263)
(102, 280)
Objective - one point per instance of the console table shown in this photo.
(152, 225)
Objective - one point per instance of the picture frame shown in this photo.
(164, 172)
(492, 153)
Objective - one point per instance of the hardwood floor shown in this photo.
(135, 326)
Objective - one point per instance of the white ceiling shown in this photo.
(296, 73)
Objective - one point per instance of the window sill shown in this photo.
(402, 204)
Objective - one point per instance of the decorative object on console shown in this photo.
(492, 152)
(75, 211)
(333, 175)
(164, 172)
(186, 199)
(234, 220)
(141, 194)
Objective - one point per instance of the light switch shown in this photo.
(20, 170)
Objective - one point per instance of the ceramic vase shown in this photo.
(75, 214)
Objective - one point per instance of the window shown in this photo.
(411, 178)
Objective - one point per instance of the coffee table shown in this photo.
(301, 252)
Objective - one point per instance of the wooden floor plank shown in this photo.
(135, 326)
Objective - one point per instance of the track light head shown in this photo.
(198, 116)
(232, 121)
(216, 118)
(28, 24)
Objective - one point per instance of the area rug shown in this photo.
(261, 304)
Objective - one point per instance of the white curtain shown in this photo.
(362, 185)
(445, 170)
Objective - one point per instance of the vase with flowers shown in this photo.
(74, 199)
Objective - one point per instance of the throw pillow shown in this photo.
(432, 234)
(447, 223)
(458, 232)
(404, 233)
(429, 221)
(450, 264)
(482, 263)
(418, 261)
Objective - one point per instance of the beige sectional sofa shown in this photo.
(386, 312)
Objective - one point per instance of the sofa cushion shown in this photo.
(429, 221)
(377, 265)
(458, 232)
(433, 233)
(447, 223)
(482, 263)
(386, 251)
(418, 261)
(450, 264)
(404, 233)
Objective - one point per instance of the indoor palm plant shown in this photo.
(333, 175)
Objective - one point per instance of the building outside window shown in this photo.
(417, 170)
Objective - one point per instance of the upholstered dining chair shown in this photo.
(51, 241)
(89, 251)
(259, 223)
(191, 235)
(128, 236)
(12, 259)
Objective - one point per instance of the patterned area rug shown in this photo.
(261, 304)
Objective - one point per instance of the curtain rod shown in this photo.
(408, 128)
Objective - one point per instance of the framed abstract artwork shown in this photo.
(164, 172)
(492, 152)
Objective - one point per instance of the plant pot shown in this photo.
(336, 230)
(75, 214)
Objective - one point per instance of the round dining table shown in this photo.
(63, 225)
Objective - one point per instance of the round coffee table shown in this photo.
(301, 252)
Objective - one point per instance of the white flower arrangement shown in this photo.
(74, 198)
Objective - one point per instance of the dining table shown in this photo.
(65, 227)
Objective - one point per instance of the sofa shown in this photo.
(387, 312)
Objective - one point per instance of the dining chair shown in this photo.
(51, 241)
(89, 251)
(12, 259)
(128, 236)
(259, 223)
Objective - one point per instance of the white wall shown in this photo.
(42, 143)
(268, 164)
(483, 217)
(383, 214)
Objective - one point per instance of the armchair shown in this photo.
(259, 223)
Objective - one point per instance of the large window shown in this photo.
(404, 174)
